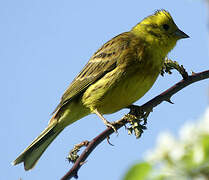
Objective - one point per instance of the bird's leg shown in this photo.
(107, 123)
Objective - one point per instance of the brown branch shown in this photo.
(165, 96)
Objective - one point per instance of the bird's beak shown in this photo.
(180, 34)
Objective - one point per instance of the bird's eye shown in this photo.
(165, 26)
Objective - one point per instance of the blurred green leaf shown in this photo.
(205, 144)
(138, 172)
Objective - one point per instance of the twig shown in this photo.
(165, 96)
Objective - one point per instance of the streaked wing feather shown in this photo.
(92, 72)
(102, 62)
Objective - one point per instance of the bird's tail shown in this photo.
(69, 114)
(34, 151)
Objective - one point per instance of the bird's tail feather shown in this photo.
(34, 151)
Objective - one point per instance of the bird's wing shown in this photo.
(102, 62)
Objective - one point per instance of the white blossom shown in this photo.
(165, 143)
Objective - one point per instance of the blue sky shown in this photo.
(44, 44)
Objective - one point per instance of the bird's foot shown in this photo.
(111, 124)
(105, 121)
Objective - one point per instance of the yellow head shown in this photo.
(159, 29)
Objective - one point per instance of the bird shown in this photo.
(118, 74)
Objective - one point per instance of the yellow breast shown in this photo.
(122, 86)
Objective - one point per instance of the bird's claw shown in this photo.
(112, 125)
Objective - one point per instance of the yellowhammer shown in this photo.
(117, 75)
